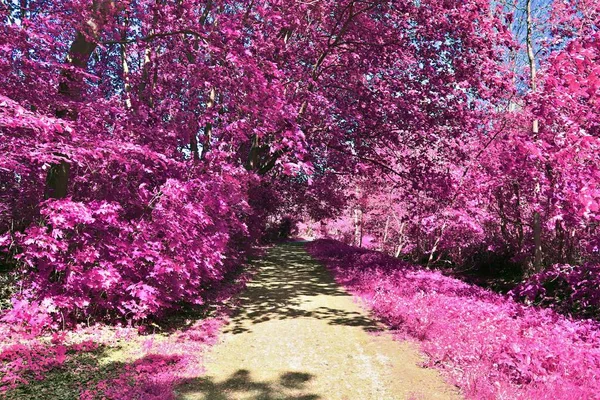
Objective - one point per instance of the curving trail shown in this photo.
(298, 335)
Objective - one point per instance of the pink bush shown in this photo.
(29, 318)
(569, 289)
(488, 345)
(88, 259)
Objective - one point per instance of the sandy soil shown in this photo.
(298, 335)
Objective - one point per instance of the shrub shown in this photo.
(568, 289)
(91, 260)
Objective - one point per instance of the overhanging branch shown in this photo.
(155, 36)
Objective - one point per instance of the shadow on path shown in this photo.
(297, 335)
(241, 384)
(287, 280)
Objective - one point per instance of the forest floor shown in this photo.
(297, 335)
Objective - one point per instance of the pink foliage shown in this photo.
(92, 261)
(462, 199)
(155, 366)
(29, 318)
(147, 147)
(29, 359)
(486, 344)
(569, 289)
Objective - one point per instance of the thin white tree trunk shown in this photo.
(537, 225)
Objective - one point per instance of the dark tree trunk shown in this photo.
(537, 242)
(70, 87)
(57, 180)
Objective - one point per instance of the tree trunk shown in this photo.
(206, 12)
(531, 57)
(70, 86)
(385, 233)
(537, 225)
(125, 65)
(401, 240)
(518, 219)
(560, 236)
(502, 213)
(537, 242)
(208, 127)
(194, 145)
(146, 88)
(57, 180)
(358, 227)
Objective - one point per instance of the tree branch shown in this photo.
(154, 36)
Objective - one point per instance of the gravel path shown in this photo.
(298, 335)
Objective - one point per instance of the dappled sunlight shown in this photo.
(290, 284)
(295, 328)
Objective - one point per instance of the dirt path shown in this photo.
(298, 335)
